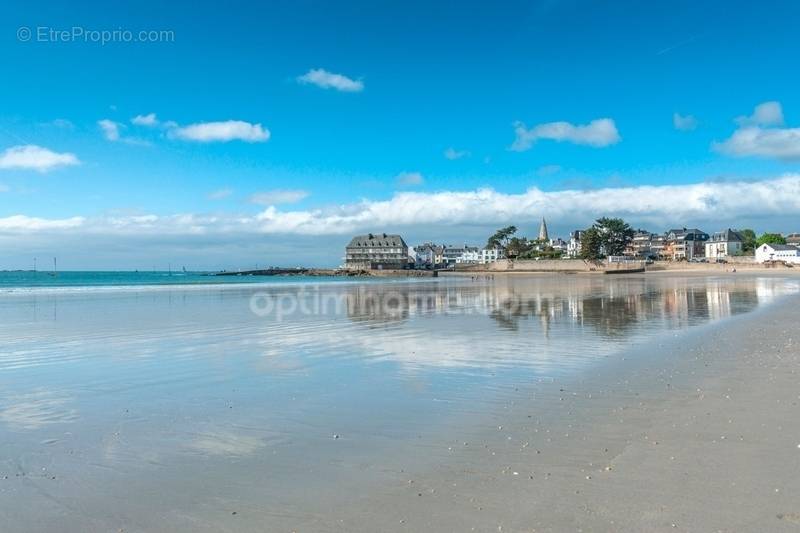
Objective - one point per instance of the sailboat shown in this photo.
(54, 273)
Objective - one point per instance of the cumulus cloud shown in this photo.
(329, 80)
(109, 128)
(278, 196)
(145, 120)
(766, 114)
(684, 122)
(112, 131)
(758, 135)
(452, 153)
(223, 131)
(662, 206)
(410, 179)
(598, 133)
(780, 143)
(34, 157)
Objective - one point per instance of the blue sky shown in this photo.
(307, 164)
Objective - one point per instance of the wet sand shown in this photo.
(606, 405)
(705, 436)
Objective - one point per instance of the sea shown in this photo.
(27, 279)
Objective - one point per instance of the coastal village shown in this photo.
(383, 251)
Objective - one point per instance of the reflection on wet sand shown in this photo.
(35, 409)
(153, 404)
(536, 319)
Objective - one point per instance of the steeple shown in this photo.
(543, 231)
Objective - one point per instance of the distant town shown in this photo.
(609, 239)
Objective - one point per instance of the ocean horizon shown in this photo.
(29, 279)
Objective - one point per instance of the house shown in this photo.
(574, 244)
(559, 245)
(438, 255)
(778, 252)
(460, 254)
(724, 243)
(425, 256)
(640, 246)
(376, 251)
(793, 239)
(491, 255)
(657, 244)
(685, 244)
(471, 254)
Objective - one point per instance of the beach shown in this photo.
(701, 438)
(655, 402)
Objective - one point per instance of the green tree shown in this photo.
(518, 247)
(607, 236)
(591, 245)
(770, 238)
(749, 243)
(615, 235)
(501, 237)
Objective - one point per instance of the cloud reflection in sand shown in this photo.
(35, 409)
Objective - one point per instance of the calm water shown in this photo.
(171, 409)
(16, 280)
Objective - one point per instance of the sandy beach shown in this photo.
(703, 436)
(657, 402)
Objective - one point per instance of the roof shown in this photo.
(781, 247)
(685, 232)
(728, 235)
(375, 240)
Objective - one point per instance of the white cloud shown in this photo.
(659, 206)
(219, 194)
(410, 179)
(110, 129)
(598, 133)
(22, 223)
(780, 143)
(667, 204)
(684, 122)
(34, 157)
(223, 131)
(278, 196)
(328, 80)
(766, 114)
(759, 135)
(145, 120)
(452, 153)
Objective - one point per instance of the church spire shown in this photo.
(543, 231)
